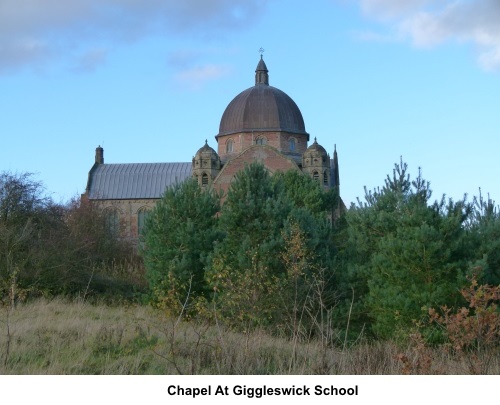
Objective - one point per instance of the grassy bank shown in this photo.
(62, 337)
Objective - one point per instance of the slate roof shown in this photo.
(134, 180)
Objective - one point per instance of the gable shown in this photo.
(271, 159)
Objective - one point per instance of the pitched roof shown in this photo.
(134, 180)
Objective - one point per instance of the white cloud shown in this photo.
(33, 32)
(428, 23)
(195, 77)
(490, 60)
(391, 8)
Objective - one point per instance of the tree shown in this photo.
(304, 192)
(48, 248)
(179, 235)
(252, 272)
(22, 208)
(404, 254)
(484, 230)
(245, 268)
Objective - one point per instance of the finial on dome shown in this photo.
(206, 142)
(261, 73)
(315, 141)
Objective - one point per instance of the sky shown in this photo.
(149, 81)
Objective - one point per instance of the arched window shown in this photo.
(204, 179)
(142, 215)
(261, 141)
(229, 146)
(325, 179)
(292, 144)
(112, 221)
(315, 176)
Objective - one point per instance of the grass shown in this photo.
(68, 337)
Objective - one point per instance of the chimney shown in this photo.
(99, 155)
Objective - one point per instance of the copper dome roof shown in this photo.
(262, 108)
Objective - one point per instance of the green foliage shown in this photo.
(179, 235)
(484, 240)
(306, 193)
(404, 254)
(249, 272)
(251, 219)
(270, 257)
(245, 267)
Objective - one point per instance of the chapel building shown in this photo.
(262, 124)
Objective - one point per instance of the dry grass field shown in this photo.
(63, 337)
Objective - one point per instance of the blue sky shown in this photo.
(149, 80)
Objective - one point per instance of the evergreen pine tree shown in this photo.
(179, 235)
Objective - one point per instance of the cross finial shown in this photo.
(261, 51)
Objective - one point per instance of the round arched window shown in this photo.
(204, 179)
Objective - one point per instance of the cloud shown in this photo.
(22, 51)
(195, 77)
(428, 23)
(34, 32)
(385, 9)
(90, 60)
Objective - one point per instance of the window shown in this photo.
(229, 146)
(325, 179)
(142, 215)
(292, 144)
(316, 176)
(204, 179)
(112, 221)
(260, 141)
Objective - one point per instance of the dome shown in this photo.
(206, 149)
(317, 148)
(262, 108)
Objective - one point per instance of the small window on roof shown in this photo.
(261, 141)
(204, 179)
(292, 144)
(229, 146)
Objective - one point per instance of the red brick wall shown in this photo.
(268, 156)
(276, 139)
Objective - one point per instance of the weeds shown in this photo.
(62, 337)
(472, 337)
